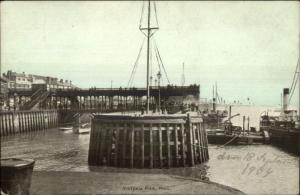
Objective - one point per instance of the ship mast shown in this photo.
(148, 56)
(299, 88)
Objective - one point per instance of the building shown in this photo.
(25, 81)
(3, 92)
(18, 80)
(4, 85)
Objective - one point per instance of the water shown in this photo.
(252, 169)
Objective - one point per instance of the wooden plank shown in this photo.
(132, 146)
(160, 146)
(151, 146)
(91, 154)
(12, 118)
(176, 145)
(5, 123)
(194, 148)
(183, 156)
(168, 146)
(142, 144)
(10, 124)
(1, 125)
(102, 156)
(34, 121)
(109, 143)
(97, 139)
(40, 121)
(199, 143)
(206, 144)
(117, 145)
(30, 122)
(124, 144)
(25, 122)
(190, 142)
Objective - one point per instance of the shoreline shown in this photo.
(60, 182)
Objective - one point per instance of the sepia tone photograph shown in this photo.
(150, 97)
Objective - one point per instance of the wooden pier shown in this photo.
(13, 122)
(147, 141)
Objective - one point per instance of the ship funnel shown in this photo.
(286, 93)
(214, 104)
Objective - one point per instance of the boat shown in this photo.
(213, 118)
(65, 128)
(84, 128)
(283, 127)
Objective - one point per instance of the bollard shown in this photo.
(16, 175)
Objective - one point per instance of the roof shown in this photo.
(4, 79)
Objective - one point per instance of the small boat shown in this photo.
(65, 128)
(84, 130)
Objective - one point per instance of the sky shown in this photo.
(250, 49)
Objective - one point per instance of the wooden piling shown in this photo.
(151, 146)
(168, 146)
(147, 141)
(132, 146)
(142, 145)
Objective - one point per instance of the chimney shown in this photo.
(286, 93)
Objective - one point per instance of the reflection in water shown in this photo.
(251, 169)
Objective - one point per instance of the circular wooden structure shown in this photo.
(147, 141)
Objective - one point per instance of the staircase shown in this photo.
(38, 96)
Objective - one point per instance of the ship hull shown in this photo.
(286, 139)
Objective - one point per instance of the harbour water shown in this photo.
(252, 169)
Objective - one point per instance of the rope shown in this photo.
(155, 13)
(294, 83)
(161, 61)
(293, 90)
(294, 75)
(141, 19)
(135, 65)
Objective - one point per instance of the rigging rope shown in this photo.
(155, 14)
(294, 76)
(135, 66)
(161, 61)
(141, 19)
(294, 83)
(293, 89)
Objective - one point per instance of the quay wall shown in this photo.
(148, 141)
(13, 122)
